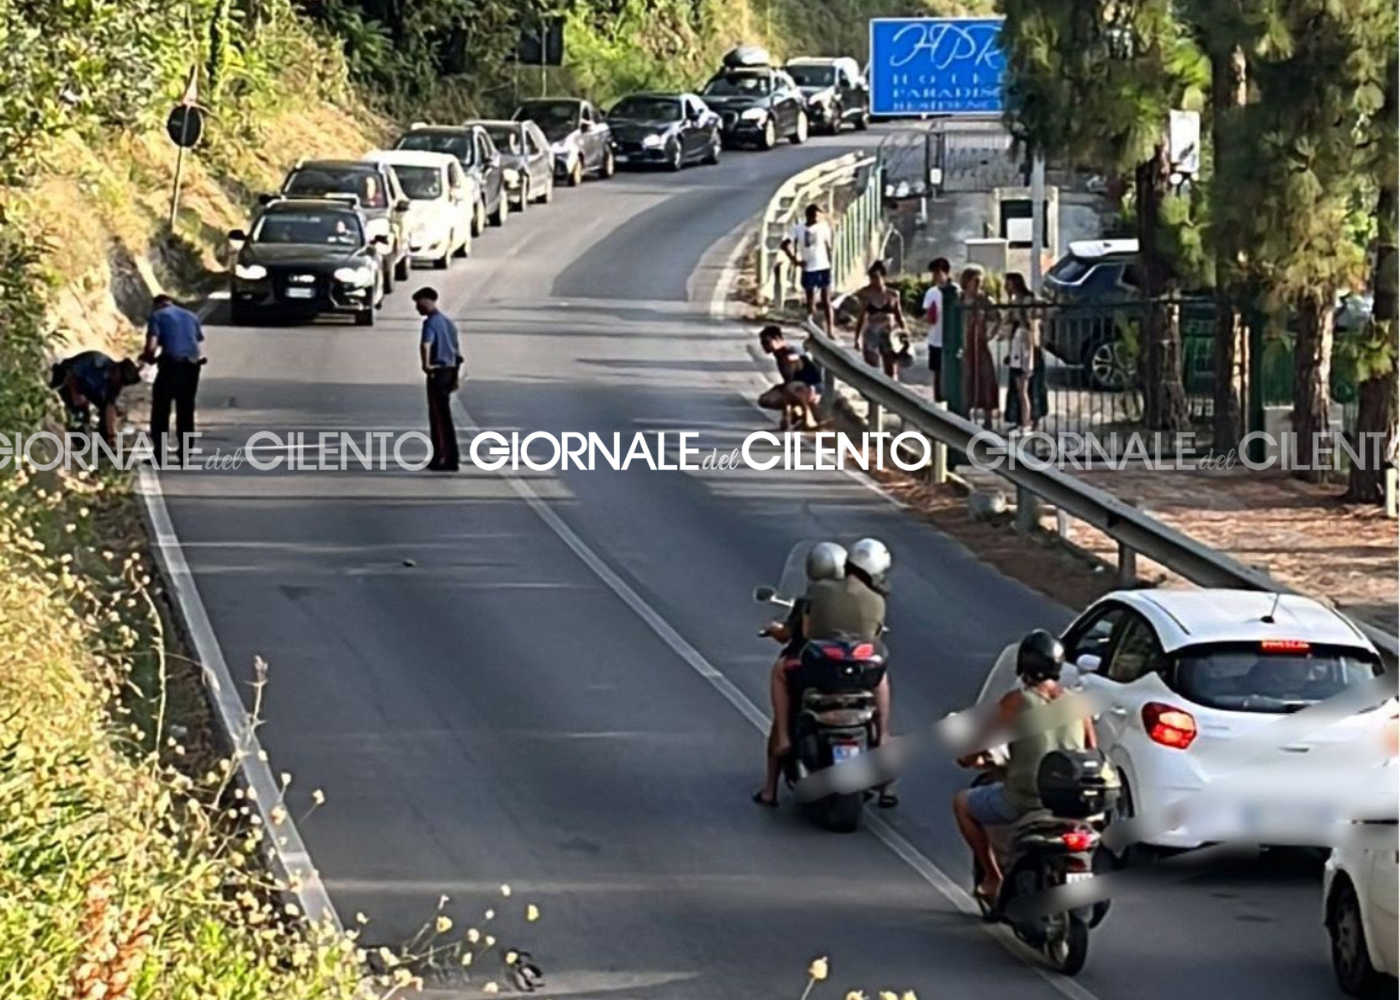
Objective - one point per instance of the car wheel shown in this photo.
(445, 261)
(675, 160)
(387, 280)
(240, 313)
(863, 122)
(502, 212)
(524, 200)
(609, 166)
(464, 249)
(1351, 956)
(799, 134)
(1107, 365)
(365, 317)
(479, 218)
(576, 174)
(402, 268)
(770, 136)
(712, 153)
(548, 194)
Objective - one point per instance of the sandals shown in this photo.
(887, 800)
(766, 803)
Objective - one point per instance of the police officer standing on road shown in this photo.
(173, 336)
(441, 354)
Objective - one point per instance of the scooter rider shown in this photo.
(849, 605)
(826, 561)
(1038, 662)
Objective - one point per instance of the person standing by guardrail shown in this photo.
(1026, 402)
(813, 240)
(980, 389)
(173, 336)
(881, 317)
(441, 353)
(940, 271)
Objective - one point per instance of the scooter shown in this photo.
(834, 717)
(1047, 849)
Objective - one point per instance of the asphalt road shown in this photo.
(548, 693)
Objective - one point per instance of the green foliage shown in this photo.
(24, 395)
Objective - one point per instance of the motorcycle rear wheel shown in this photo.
(1069, 953)
(842, 812)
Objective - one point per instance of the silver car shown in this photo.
(528, 162)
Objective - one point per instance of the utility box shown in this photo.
(1014, 209)
(988, 254)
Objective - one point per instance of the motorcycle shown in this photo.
(834, 717)
(1048, 848)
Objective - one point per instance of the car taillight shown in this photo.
(1169, 726)
(1078, 840)
(834, 652)
(864, 651)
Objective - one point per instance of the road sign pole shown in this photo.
(175, 192)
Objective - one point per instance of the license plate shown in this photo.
(301, 293)
(1073, 877)
(622, 157)
(844, 751)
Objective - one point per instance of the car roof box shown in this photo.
(747, 55)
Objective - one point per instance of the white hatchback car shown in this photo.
(442, 201)
(1186, 680)
(1359, 906)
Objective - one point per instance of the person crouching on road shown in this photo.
(173, 336)
(92, 379)
(799, 382)
(441, 354)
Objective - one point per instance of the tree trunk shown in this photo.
(1163, 396)
(1312, 372)
(1377, 417)
(1228, 94)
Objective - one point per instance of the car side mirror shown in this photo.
(764, 595)
(381, 240)
(266, 199)
(585, 126)
(1088, 663)
(402, 205)
(494, 161)
(237, 237)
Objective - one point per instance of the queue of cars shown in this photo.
(340, 234)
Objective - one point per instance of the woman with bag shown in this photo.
(980, 389)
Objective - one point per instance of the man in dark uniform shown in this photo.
(92, 379)
(441, 354)
(173, 336)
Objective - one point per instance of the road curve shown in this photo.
(550, 693)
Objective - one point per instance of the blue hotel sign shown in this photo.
(936, 66)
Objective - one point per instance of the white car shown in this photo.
(1185, 681)
(1359, 906)
(442, 200)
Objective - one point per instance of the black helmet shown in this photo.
(1040, 657)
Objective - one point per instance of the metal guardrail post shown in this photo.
(874, 419)
(939, 471)
(1127, 566)
(1027, 511)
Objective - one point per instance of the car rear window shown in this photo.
(315, 181)
(456, 144)
(1069, 270)
(1255, 677)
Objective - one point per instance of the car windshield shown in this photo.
(740, 85)
(506, 138)
(317, 181)
(309, 229)
(1068, 271)
(555, 118)
(420, 183)
(812, 76)
(1250, 678)
(458, 144)
(648, 109)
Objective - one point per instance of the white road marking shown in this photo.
(284, 837)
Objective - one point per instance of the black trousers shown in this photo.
(442, 382)
(177, 383)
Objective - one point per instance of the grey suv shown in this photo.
(380, 199)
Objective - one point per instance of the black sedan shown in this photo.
(306, 257)
(759, 105)
(667, 130)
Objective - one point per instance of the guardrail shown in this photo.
(1134, 532)
(858, 231)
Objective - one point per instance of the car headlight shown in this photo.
(754, 115)
(249, 272)
(652, 141)
(362, 275)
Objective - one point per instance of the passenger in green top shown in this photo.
(1038, 663)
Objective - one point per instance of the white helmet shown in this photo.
(871, 557)
(826, 561)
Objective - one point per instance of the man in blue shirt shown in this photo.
(92, 379)
(440, 352)
(173, 336)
